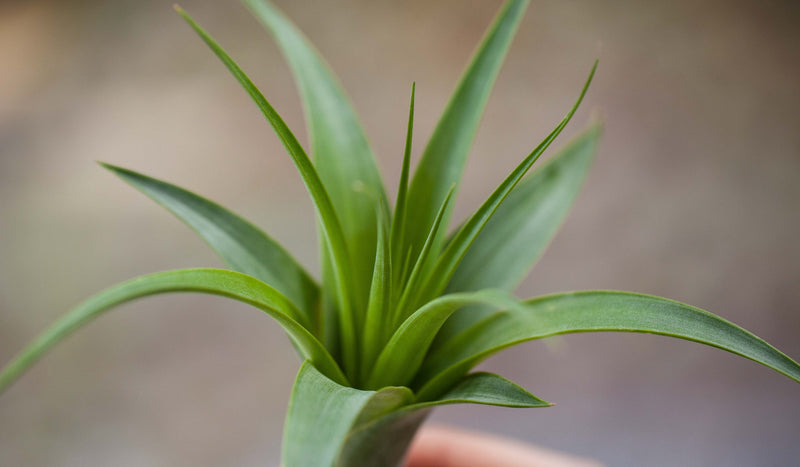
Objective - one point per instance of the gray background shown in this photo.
(693, 196)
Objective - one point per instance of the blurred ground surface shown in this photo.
(694, 196)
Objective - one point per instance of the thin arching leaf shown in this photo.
(410, 342)
(240, 244)
(441, 273)
(442, 163)
(332, 229)
(591, 312)
(520, 229)
(221, 282)
(340, 149)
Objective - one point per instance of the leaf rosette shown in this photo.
(405, 309)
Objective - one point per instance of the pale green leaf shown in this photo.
(322, 414)
(591, 312)
(331, 425)
(340, 149)
(221, 282)
(520, 229)
(332, 228)
(243, 246)
(443, 160)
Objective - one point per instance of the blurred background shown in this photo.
(693, 196)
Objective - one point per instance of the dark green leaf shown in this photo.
(591, 312)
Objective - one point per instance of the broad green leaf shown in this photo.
(400, 209)
(591, 311)
(384, 441)
(221, 282)
(331, 425)
(520, 229)
(441, 273)
(340, 149)
(243, 246)
(322, 414)
(332, 228)
(410, 342)
(443, 160)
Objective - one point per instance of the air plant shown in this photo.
(404, 311)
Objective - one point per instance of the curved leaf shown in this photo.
(410, 342)
(322, 414)
(243, 246)
(520, 229)
(340, 149)
(441, 273)
(442, 163)
(332, 228)
(591, 311)
(488, 389)
(331, 425)
(222, 282)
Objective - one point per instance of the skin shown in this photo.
(448, 447)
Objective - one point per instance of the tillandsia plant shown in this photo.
(404, 311)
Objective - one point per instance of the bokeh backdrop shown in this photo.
(694, 195)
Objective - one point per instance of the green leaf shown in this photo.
(332, 228)
(410, 287)
(488, 389)
(441, 273)
(221, 282)
(520, 229)
(379, 298)
(331, 425)
(443, 161)
(322, 414)
(384, 441)
(400, 210)
(591, 311)
(243, 246)
(410, 342)
(340, 149)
